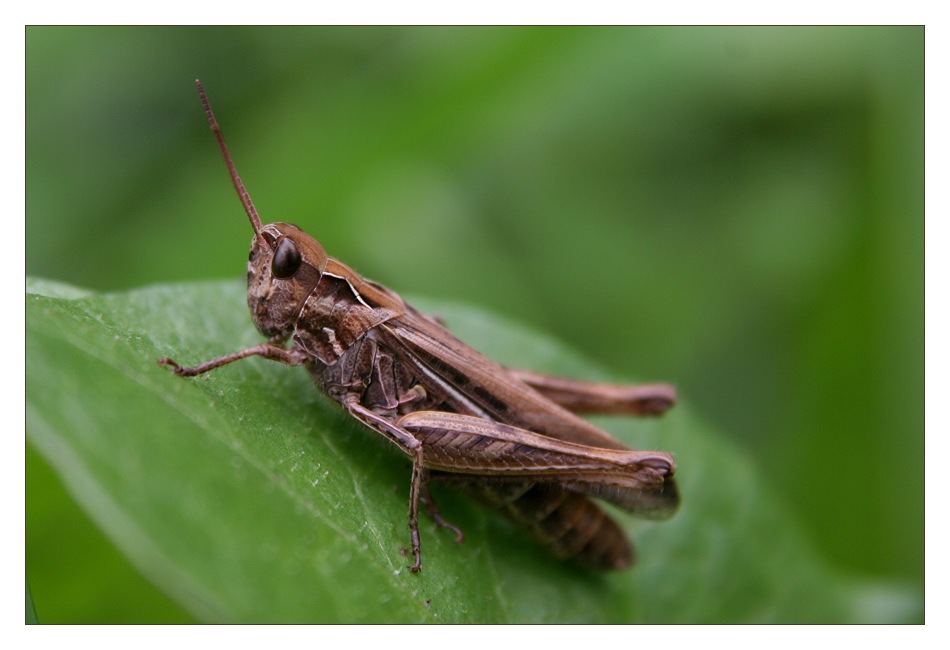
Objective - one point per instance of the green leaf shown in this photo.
(248, 497)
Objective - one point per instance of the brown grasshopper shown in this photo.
(511, 437)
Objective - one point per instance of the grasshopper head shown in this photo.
(285, 262)
(283, 268)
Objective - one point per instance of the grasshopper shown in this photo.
(511, 437)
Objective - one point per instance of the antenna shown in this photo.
(238, 185)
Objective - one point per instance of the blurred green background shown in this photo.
(736, 210)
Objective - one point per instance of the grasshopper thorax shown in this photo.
(284, 267)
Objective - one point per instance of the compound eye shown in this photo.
(286, 259)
